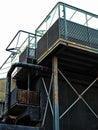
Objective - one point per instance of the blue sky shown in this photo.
(27, 15)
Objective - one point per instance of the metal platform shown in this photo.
(17, 127)
(72, 57)
(76, 33)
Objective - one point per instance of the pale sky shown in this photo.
(28, 14)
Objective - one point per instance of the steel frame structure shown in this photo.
(54, 104)
(60, 11)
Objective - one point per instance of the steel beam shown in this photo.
(55, 93)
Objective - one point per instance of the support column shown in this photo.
(55, 93)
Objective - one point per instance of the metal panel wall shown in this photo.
(75, 113)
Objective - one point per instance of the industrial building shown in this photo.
(52, 74)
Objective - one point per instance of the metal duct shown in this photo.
(8, 83)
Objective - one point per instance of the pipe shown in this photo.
(8, 83)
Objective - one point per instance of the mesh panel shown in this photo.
(93, 37)
(68, 30)
(77, 33)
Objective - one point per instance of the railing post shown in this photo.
(55, 93)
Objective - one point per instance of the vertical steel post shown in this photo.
(55, 93)
(65, 22)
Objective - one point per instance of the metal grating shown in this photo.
(68, 30)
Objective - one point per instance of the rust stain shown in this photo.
(56, 96)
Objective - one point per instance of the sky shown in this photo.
(27, 15)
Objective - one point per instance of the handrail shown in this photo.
(80, 10)
(15, 51)
(16, 36)
(5, 61)
(66, 6)
(5, 67)
(26, 32)
(7, 48)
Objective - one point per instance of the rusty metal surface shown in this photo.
(55, 92)
(20, 96)
(34, 98)
(19, 101)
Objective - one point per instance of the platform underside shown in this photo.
(72, 57)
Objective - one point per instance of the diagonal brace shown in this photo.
(50, 86)
(79, 96)
(48, 96)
